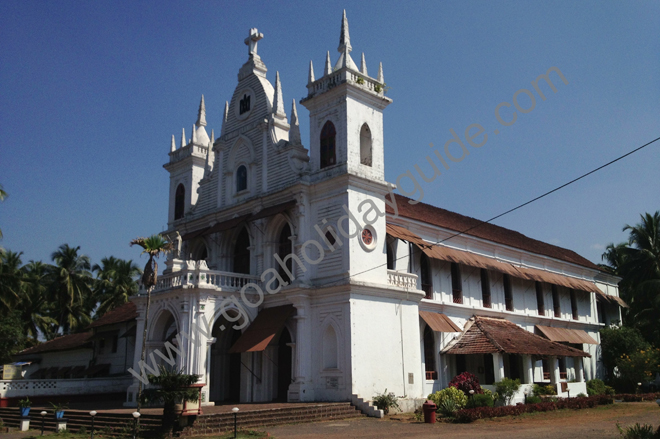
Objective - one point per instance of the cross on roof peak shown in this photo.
(252, 40)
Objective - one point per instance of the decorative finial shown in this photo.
(310, 78)
(344, 38)
(278, 105)
(363, 66)
(212, 138)
(328, 66)
(252, 41)
(201, 114)
(194, 134)
(380, 79)
(209, 159)
(294, 132)
(173, 147)
(183, 137)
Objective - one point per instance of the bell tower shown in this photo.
(346, 116)
(187, 166)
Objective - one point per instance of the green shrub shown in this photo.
(480, 401)
(595, 387)
(448, 408)
(581, 395)
(637, 431)
(385, 401)
(540, 390)
(450, 393)
(610, 391)
(534, 400)
(82, 430)
(506, 389)
(495, 396)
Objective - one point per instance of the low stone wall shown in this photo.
(34, 389)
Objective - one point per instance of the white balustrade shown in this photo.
(204, 278)
(402, 280)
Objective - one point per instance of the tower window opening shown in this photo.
(365, 145)
(328, 153)
(179, 201)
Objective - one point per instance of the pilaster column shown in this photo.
(579, 369)
(301, 389)
(498, 366)
(528, 369)
(554, 370)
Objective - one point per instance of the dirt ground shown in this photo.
(597, 423)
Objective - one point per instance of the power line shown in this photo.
(526, 203)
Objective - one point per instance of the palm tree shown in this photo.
(34, 307)
(154, 246)
(10, 280)
(116, 282)
(638, 264)
(171, 387)
(70, 288)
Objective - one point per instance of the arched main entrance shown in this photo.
(225, 367)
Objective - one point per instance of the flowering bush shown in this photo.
(466, 382)
(448, 399)
(638, 366)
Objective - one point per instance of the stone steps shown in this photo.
(223, 422)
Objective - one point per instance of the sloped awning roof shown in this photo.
(263, 329)
(470, 259)
(486, 335)
(566, 335)
(439, 322)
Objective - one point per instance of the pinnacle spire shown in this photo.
(381, 79)
(278, 105)
(173, 146)
(344, 37)
(209, 158)
(183, 137)
(294, 132)
(224, 118)
(194, 134)
(310, 78)
(328, 65)
(201, 114)
(363, 66)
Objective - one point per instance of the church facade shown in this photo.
(299, 276)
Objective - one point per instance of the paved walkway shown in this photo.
(598, 423)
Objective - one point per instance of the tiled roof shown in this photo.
(123, 313)
(486, 335)
(64, 343)
(457, 222)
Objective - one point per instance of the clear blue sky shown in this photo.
(92, 92)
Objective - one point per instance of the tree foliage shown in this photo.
(42, 301)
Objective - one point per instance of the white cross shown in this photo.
(252, 40)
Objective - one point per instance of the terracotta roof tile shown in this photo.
(457, 222)
(486, 335)
(63, 343)
(123, 313)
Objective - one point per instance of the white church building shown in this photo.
(299, 275)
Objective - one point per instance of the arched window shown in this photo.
(425, 269)
(429, 354)
(242, 253)
(390, 257)
(365, 145)
(328, 154)
(241, 178)
(179, 201)
(285, 248)
(330, 348)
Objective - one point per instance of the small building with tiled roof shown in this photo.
(106, 349)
